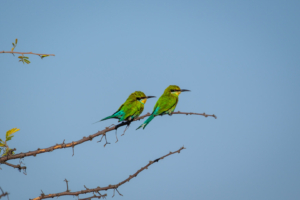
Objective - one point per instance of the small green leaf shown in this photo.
(16, 41)
(27, 61)
(13, 44)
(2, 145)
(9, 137)
(12, 49)
(43, 56)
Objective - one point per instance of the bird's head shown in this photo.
(141, 97)
(174, 90)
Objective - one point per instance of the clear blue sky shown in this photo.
(240, 59)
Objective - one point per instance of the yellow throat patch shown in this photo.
(176, 93)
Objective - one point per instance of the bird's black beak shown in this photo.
(148, 97)
(184, 90)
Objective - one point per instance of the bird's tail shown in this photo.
(112, 116)
(146, 122)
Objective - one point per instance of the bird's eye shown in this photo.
(138, 98)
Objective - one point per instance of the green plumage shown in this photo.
(166, 104)
(131, 108)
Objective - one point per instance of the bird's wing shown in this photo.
(119, 109)
(132, 110)
(164, 104)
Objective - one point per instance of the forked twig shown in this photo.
(4, 194)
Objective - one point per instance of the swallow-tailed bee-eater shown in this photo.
(130, 109)
(166, 104)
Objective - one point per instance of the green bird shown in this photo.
(166, 104)
(128, 111)
(131, 109)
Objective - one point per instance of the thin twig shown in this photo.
(4, 194)
(39, 54)
(116, 136)
(67, 185)
(110, 187)
(16, 166)
(104, 135)
(84, 139)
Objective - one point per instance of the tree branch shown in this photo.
(16, 166)
(110, 187)
(14, 52)
(84, 139)
(3, 194)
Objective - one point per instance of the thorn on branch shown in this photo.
(85, 187)
(67, 185)
(42, 194)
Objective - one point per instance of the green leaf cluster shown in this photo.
(3, 143)
(24, 59)
(14, 44)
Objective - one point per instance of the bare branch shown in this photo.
(84, 139)
(190, 113)
(110, 187)
(16, 166)
(39, 54)
(3, 194)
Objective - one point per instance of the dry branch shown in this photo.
(3, 194)
(39, 54)
(110, 187)
(16, 166)
(84, 139)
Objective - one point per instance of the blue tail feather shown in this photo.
(116, 115)
(146, 122)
